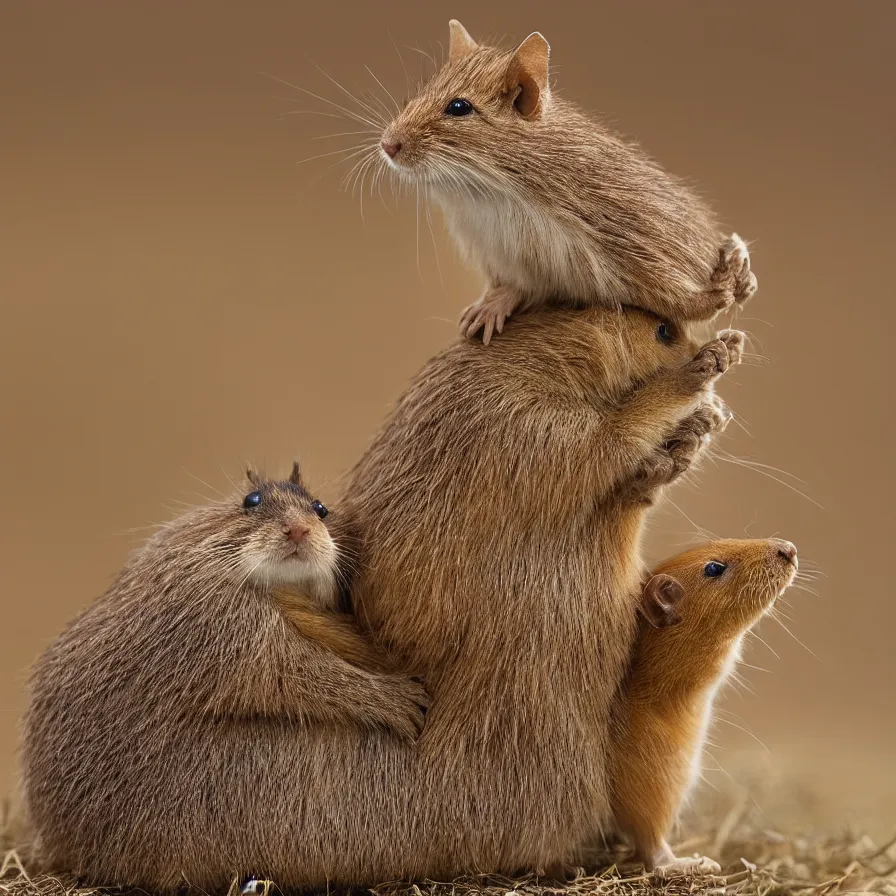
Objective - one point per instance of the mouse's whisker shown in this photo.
(361, 119)
(383, 88)
(366, 107)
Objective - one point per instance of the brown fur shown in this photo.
(551, 205)
(665, 704)
(155, 715)
(171, 737)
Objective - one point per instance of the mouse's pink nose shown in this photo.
(391, 147)
(297, 532)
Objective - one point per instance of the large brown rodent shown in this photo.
(551, 205)
(710, 596)
(153, 716)
(498, 555)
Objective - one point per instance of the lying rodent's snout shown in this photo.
(296, 531)
(784, 550)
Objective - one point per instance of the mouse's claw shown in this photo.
(489, 313)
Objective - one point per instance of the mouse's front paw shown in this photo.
(732, 281)
(489, 313)
(692, 435)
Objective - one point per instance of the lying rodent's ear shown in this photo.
(460, 43)
(659, 598)
(527, 76)
(252, 475)
(295, 477)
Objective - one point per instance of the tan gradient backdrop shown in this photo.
(178, 295)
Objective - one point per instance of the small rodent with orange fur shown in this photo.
(696, 609)
(552, 206)
(219, 633)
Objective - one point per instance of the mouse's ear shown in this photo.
(527, 76)
(460, 43)
(659, 598)
(295, 477)
(252, 475)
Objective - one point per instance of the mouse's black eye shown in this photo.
(458, 107)
(253, 499)
(666, 332)
(319, 509)
(714, 569)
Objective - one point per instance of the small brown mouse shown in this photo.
(696, 609)
(220, 632)
(552, 206)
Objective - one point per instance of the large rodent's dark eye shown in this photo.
(666, 332)
(253, 499)
(459, 107)
(319, 509)
(714, 569)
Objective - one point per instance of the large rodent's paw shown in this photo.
(712, 360)
(489, 313)
(732, 281)
(692, 435)
(690, 866)
(680, 451)
(408, 702)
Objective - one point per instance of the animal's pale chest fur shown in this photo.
(516, 244)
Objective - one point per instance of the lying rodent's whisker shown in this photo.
(404, 68)
(795, 638)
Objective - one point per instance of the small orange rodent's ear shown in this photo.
(295, 477)
(460, 43)
(253, 475)
(527, 75)
(658, 601)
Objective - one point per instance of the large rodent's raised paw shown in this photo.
(713, 360)
(732, 281)
(489, 313)
(690, 866)
(680, 451)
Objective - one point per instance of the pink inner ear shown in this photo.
(528, 100)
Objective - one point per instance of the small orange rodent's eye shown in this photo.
(459, 107)
(319, 509)
(714, 569)
(666, 333)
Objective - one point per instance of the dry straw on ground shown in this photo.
(757, 860)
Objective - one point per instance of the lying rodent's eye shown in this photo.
(714, 569)
(666, 332)
(459, 107)
(253, 499)
(319, 509)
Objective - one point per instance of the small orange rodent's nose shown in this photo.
(297, 532)
(786, 550)
(391, 147)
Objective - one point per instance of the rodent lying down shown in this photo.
(152, 714)
(551, 205)
(697, 607)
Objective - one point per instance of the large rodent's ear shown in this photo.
(527, 76)
(252, 475)
(295, 477)
(460, 43)
(659, 598)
